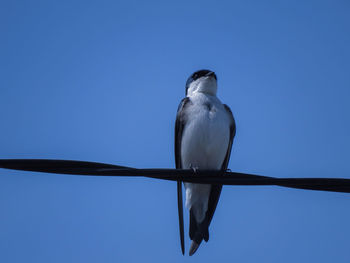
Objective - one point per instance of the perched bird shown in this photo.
(204, 132)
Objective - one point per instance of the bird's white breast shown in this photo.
(204, 145)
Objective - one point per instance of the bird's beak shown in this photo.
(211, 74)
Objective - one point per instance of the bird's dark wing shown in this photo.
(179, 126)
(232, 136)
(215, 190)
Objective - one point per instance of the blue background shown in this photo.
(101, 81)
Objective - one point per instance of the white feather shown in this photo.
(205, 141)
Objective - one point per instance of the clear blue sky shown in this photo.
(101, 81)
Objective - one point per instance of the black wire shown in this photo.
(199, 176)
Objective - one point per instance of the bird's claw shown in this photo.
(194, 169)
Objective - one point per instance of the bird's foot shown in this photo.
(194, 168)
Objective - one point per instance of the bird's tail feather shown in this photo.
(193, 248)
(198, 232)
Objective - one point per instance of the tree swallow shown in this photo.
(204, 132)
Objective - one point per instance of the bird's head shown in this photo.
(203, 81)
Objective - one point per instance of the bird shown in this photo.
(204, 132)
